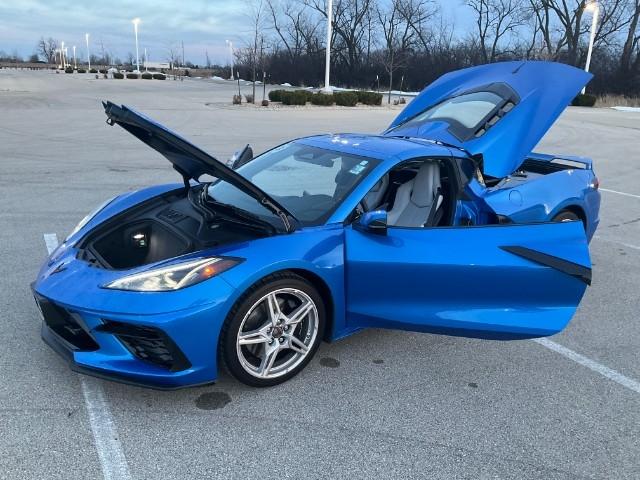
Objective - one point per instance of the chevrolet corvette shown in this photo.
(447, 222)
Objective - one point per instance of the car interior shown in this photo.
(415, 194)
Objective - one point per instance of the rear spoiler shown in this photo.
(566, 161)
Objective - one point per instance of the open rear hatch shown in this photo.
(497, 113)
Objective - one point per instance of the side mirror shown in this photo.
(241, 157)
(373, 222)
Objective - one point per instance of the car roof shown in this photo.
(391, 150)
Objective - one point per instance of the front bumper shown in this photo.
(156, 340)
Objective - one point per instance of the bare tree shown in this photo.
(495, 20)
(632, 40)
(173, 54)
(47, 49)
(420, 15)
(398, 35)
(257, 15)
(349, 28)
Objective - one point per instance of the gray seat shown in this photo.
(373, 199)
(418, 200)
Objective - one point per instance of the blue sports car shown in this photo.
(444, 223)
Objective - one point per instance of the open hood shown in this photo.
(497, 112)
(187, 159)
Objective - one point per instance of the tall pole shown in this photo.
(136, 21)
(182, 53)
(146, 59)
(230, 43)
(62, 59)
(595, 9)
(75, 60)
(86, 37)
(327, 60)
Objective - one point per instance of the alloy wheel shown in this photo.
(277, 333)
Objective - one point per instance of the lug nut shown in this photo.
(281, 340)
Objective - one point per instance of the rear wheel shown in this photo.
(566, 216)
(273, 331)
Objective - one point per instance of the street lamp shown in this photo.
(86, 37)
(230, 43)
(136, 21)
(146, 59)
(327, 59)
(62, 59)
(594, 8)
(75, 61)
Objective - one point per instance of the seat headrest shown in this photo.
(425, 184)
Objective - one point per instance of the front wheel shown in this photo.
(273, 331)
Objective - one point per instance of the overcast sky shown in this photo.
(203, 25)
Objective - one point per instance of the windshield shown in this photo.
(309, 182)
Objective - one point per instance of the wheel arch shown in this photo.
(325, 292)
(574, 208)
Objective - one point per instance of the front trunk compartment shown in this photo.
(159, 229)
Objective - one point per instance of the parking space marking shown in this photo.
(617, 377)
(624, 244)
(619, 193)
(105, 435)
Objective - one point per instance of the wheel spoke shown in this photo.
(270, 354)
(299, 314)
(273, 307)
(253, 337)
(297, 345)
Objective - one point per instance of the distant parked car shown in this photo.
(444, 223)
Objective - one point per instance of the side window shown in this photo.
(415, 194)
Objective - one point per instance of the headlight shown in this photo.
(87, 218)
(176, 276)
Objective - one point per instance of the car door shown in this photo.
(495, 281)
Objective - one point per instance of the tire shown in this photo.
(565, 216)
(273, 330)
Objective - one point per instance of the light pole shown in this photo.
(75, 61)
(86, 37)
(230, 43)
(327, 59)
(136, 21)
(594, 8)
(146, 59)
(62, 59)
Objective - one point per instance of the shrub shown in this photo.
(132, 75)
(82, 70)
(369, 98)
(307, 93)
(118, 75)
(68, 70)
(584, 100)
(237, 99)
(93, 70)
(103, 70)
(265, 103)
(276, 95)
(147, 76)
(159, 76)
(403, 100)
(249, 98)
(346, 99)
(322, 99)
(296, 97)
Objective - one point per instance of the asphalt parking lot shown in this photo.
(380, 404)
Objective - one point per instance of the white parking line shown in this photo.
(617, 377)
(620, 193)
(112, 460)
(623, 244)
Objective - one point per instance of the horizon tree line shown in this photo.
(402, 44)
